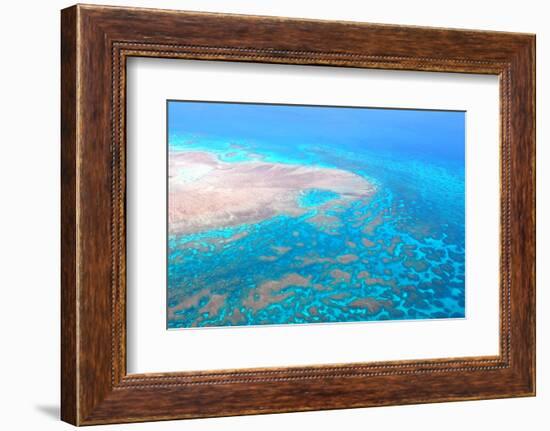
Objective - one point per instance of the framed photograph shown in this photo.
(264, 215)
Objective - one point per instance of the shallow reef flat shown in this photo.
(305, 248)
(207, 193)
(286, 214)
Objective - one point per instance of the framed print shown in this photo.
(319, 214)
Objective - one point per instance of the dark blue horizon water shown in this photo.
(407, 241)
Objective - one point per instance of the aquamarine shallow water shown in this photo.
(396, 255)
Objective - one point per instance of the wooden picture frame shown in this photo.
(95, 43)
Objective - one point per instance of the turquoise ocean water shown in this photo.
(397, 255)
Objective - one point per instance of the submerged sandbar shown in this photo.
(206, 193)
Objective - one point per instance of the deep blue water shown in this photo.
(396, 255)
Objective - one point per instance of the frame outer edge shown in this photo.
(532, 80)
(69, 210)
(533, 53)
(529, 62)
(523, 208)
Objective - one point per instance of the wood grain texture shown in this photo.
(69, 397)
(96, 41)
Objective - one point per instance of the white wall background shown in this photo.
(29, 227)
